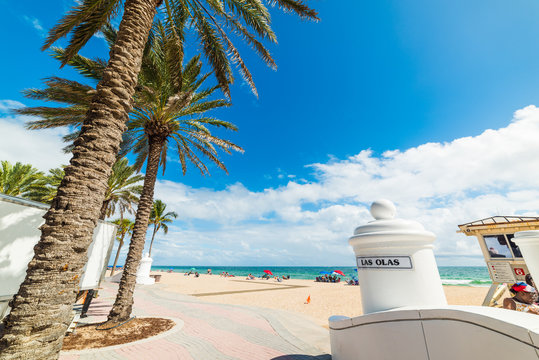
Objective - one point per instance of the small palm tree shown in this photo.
(125, 227)
(159, 219)
(19, 179)
(123, 189)
(46, 188)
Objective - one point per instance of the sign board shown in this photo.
(19, 233)
(500, 272)
(520, 271)
(384, 262)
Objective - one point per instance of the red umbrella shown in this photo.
(338, 272)
(268, 272)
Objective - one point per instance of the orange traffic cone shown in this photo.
(308, 300)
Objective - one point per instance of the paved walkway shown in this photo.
(209, 331)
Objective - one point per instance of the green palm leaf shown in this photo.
(19, 179)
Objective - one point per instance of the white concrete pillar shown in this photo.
(396, 265)
(143, 272)
(528, 243)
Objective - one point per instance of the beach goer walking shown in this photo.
(523, 300)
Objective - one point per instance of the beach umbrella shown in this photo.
(268, 272)
(193, 269)
(324, 272)
(338, 272)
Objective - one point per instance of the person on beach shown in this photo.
(529, 281)
(523, 300)
(208, 272)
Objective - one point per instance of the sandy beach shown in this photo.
(326, 298)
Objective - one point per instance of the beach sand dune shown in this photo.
(326, 299)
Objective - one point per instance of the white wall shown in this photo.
(19, 232)
(448, 333)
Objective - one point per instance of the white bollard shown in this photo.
(528, 243)
(396, 265)
(143, 272)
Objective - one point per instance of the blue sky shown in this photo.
(416, 76)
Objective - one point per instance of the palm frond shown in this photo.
(90, 68)
(255, 15)
(298, 7)
(63, 91)
(82, 21)
(214, 51)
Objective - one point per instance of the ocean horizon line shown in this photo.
(450, 275)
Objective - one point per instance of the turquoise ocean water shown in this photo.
(451, 275)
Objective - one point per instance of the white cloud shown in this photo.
(440, 185)
(8, 105)
(35, 24)
(42, 149)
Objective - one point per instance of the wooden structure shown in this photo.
(502, 256)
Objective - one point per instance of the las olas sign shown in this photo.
(384, 262)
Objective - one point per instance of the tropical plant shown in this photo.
(19, 179)
(123, 189)
(159, 219)
(38, 319)
(167, 117)
(125, 227)
(46, 187)
(164, 112)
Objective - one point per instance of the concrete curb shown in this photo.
(175, 329)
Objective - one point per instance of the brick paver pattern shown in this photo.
(209, 331)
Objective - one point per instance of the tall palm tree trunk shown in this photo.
(41, 310)
(117, 256)
(151, 243)
(121, 310)
(103, 212)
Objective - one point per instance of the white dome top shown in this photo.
(383, 209)
(386, 228)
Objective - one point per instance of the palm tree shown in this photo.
(37, 322)
(123, 189)
(164, 112)
(19, 179)
(46, 188)
(167, 115)
(125, 227)
(159, 219)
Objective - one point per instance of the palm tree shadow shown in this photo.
(303, 357)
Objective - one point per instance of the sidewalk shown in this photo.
(208, 331)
